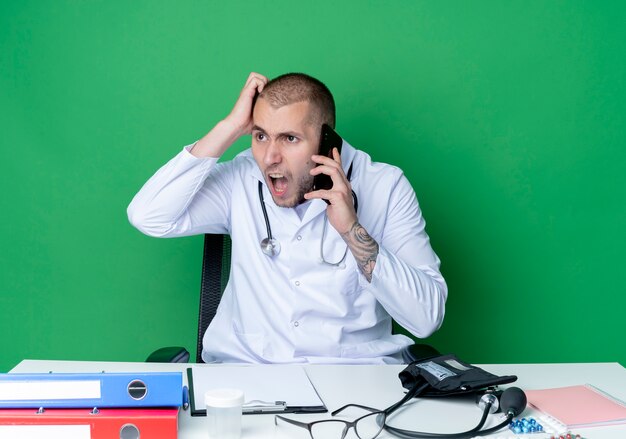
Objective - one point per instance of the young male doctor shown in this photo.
(336, 276)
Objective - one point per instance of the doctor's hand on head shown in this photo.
(341, 212)
(240, 117)
(238, 123)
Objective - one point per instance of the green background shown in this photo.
(507, 117)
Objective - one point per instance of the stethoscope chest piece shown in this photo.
(270, 246)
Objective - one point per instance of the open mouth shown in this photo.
(278, 183)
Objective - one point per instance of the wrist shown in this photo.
(216, 141)
(232, 128)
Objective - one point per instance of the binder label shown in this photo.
(46, 431)
(45, 390)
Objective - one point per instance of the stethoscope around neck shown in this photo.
(270, 245)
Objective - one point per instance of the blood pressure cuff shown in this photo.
(447, 375)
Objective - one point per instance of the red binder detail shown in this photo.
(105, 424)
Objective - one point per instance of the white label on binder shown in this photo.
(49, 390)
(45, 431)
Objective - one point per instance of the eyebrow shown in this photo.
(286, 133)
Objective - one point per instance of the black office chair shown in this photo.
(215, 272)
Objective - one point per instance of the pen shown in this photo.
(257, 406)
(185, 397)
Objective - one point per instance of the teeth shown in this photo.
(276, 175)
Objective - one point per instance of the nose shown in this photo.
(272, 154)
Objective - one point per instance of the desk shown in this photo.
(378, 386)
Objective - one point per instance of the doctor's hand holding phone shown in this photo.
(329, 139)
(331, 184)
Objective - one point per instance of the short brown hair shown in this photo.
(299, 87)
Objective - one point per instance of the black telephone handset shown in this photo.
(329, 139)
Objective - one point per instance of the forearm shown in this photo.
(363, 247)
(182, 198)
(217, 141)
(160, 207)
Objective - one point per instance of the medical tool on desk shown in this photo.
(440, 376)
(446, 375)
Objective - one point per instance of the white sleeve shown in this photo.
(187, 196)
(406, 279)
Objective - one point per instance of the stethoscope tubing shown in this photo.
(271, 247)
(267, 221)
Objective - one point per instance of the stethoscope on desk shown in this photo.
(270, 245)
(511, 401)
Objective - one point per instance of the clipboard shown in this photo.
(268, 388)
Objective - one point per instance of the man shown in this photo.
(341, 274)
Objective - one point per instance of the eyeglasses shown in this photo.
(366, 427)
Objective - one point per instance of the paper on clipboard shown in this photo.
(268, 388)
